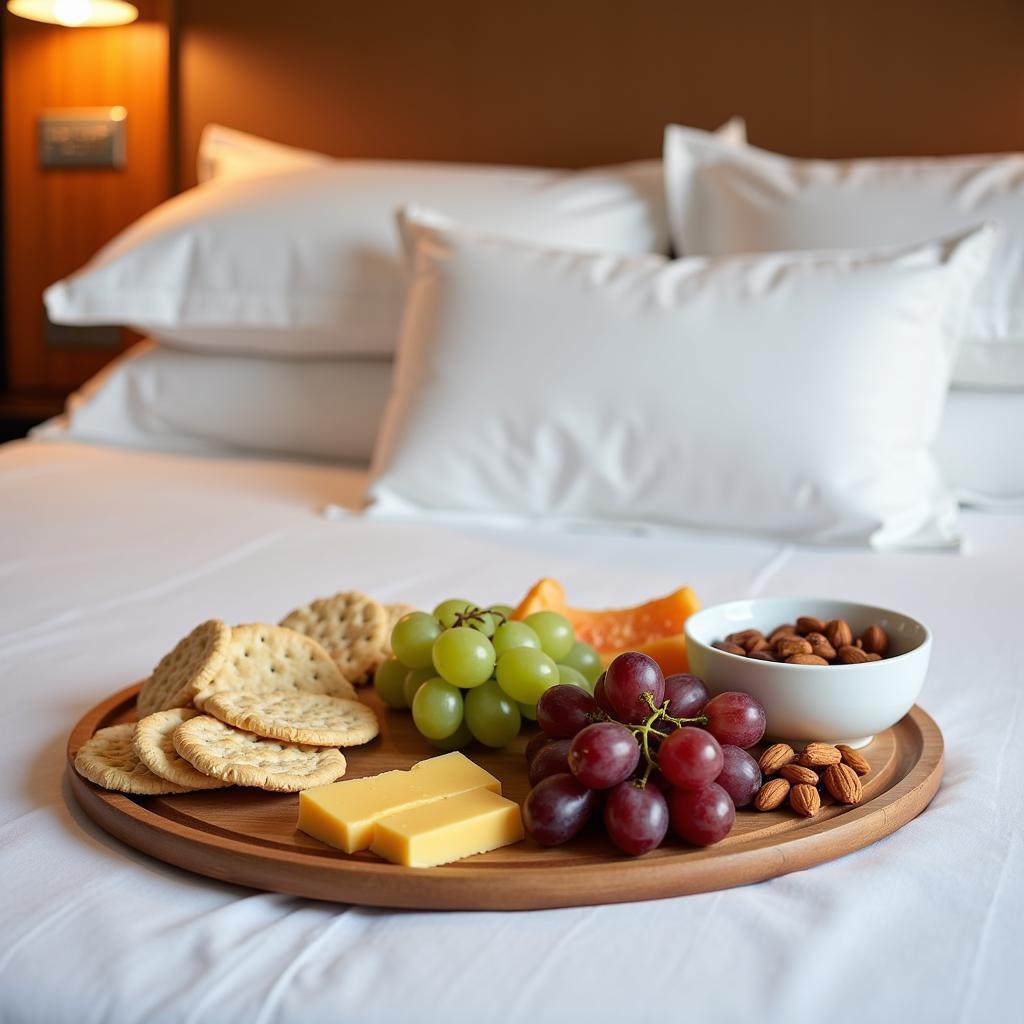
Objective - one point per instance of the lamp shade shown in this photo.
(75, 13)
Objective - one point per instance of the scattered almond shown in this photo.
(842, 782)
(875, 640)
(777, 756)
(838, 633)
(772, 794)
(854, 759)
(804, 800)
(850, 655)
(818, 755)
(797, 775)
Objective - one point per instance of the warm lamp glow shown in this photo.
(75, 13)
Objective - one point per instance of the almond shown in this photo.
(820, 646)
(874, 657)
(722, 645)
(838, 633)
(875, 640)
(762, 656)
(809, 624)
(798, 775)
(772, 794)
(775, 757)
(806, 659)
(854, 759)
(804, 800)
(818, 755)
(780, 631)
(842, 782)
(748, 639)
(852, 656)
(790, 645)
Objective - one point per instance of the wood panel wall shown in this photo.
(56, 219)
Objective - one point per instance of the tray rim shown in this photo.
(470, 886)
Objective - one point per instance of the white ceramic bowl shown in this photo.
(831, 703)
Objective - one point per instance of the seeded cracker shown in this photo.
(185, 670)
(155, 749)
(262, 658)
(249, 760)
(314, 719)
(109, 760)
(352, 627)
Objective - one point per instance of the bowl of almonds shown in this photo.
(824, 669)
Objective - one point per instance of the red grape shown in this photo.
(628, 676)
(551, 759)
(690, 757)
(735, 718)
(600, 697)
(701, 816)
(603, 755)
(563, 710)
(536, 742)
(741, 775)
(636, 819)
(556, 809)
(686, 695)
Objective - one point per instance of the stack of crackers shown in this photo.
(252, 705)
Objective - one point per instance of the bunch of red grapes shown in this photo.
(661, 752)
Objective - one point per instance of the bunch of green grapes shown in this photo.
(469, 672)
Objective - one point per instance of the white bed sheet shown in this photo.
(107, 557)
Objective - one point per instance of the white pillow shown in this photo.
(227, 153)
(791, 394)
(979, 448)
(161, 399)
(729, 199)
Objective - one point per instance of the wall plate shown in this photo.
(83, 137)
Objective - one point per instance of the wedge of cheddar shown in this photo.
(448, 830)
(345, 814)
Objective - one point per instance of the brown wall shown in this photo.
(56, 219)
(574, 82)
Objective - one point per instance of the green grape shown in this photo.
(524, 674)
(585, 659)
(483, 623)
(514, 634)
(555, 632)
(503, 609)
(413, 638)
(389, 682)
(463, 657)
(528, 711)
(447, 610)
(492, 717)
(437, 709)
(572, 676)
(414, 679)
(462, 737)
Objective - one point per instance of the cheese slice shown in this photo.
(447, 830)
(344, 814)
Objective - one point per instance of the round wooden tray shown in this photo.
(249, 837)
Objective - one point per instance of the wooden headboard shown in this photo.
(576, 82)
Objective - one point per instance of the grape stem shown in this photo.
(477, 615)
(643, 732)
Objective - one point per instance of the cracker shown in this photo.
(185, 670)
(310, 718)
(154, 748)
(262, 658)
(352, 627)
(109, 760)
(250, 760)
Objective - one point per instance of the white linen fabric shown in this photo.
(557, 386)
(729, 199)
(980, 448)
(227, 153)
(107, 557)
(163, 399)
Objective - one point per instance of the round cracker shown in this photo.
(352, 628)
(183, 672)
(310, 718)
(109, 760)
(155, 749)
(262, 658)
(246, 759)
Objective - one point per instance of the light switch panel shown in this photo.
(83, 137)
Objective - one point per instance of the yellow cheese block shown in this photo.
(446, 830)
(344, 814)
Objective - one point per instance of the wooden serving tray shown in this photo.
(248, 837)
